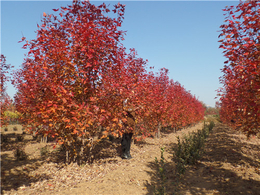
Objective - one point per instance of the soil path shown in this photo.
(134, 176)
(230, 165)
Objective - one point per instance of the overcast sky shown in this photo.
(181, 36)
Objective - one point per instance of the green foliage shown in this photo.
(217, 118)
(161, 188)
(11, 117)
(214, 118)
(211, 111)
(211, 125)
(189, 150)
(20, 154)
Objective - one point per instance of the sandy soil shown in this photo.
(230, 165)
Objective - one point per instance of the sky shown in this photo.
(181, 36)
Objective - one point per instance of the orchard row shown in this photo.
(77, 77)
(240, 97)
(5, 100)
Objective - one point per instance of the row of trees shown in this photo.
(240, 97)
(5, 100)
(77, 76)
(211, 111)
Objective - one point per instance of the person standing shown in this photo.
(129, 129)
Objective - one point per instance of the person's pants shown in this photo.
(126, 144)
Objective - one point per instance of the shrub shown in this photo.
(44, 151)
(189, 150)
(20, 154)
(211, 125)
(161, 188)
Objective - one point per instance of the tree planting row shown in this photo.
(77, 79)
(240, 97)
(5, 100)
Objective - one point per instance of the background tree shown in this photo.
(5, 99)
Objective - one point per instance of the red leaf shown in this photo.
(23, 38)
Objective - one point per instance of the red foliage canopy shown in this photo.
(77, 75)
(240, 97)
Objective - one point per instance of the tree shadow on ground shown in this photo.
(225, 168)
(104, 150)
(142, 143)
(15, 174)
(157, 185)
(214, 179)
(168, 130)
(8, 143)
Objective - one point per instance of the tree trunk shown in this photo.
(158, 135)
(67, 156)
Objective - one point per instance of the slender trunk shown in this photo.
(67, 156)
(159, 130)
(133, 138)
(80, 157)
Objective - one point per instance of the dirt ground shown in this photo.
(230, 165)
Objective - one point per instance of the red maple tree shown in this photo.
(240, 97)
(77, 76)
